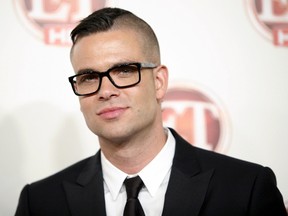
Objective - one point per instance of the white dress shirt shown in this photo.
(155, 177)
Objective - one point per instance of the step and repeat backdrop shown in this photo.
(228, 64)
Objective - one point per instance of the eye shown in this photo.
(125, 70)
(87, 78)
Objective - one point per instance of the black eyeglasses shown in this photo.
(121, 76)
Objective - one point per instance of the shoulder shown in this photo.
(209, 158)
(222, 164)
(48, 193)
(70, 174)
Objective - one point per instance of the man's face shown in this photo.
(114, 114)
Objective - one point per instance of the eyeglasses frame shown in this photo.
(106, 74)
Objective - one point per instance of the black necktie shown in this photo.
(133, 206)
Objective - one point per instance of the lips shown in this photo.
(111, 113)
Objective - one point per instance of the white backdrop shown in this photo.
(212, 43)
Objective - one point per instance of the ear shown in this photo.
(161, 81)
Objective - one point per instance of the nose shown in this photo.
(107, 89)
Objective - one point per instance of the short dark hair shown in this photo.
(109, 18)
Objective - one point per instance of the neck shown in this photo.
(133, 155)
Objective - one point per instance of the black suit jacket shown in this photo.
(202, 183)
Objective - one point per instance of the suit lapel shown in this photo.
(86, 196)
(187, 185)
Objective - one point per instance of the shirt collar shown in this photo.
(113, 177)
(152, 175)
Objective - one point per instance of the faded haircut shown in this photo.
(116, 18)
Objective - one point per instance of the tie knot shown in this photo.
(133, 186)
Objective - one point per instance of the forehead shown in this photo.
(108, 46)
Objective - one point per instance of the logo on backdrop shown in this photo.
(270, 18)
(197, 116)
(52, 20)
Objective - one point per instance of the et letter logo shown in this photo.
(52, 20)
(197, 116)
(270, 18)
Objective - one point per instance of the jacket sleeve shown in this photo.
(23, 205)
(266, 199)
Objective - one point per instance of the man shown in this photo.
(121, 83)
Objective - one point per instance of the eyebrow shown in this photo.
(88, 70)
